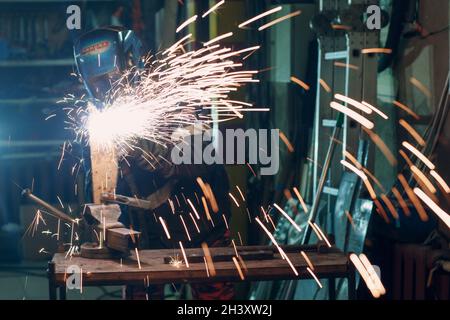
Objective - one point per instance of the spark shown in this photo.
(206, 267)
(209, 194)
(236, 53)
(349, 217)
(234, 199)
(288, 195)
(251, 169)
(345, 65)
(441, 181)
(271, 222)
(50, 116)
(411, 195)
(362, 175)
(412, 132)
(376, 50)
(213, 8)
(325, 85)
(365, 275)
(186, 23)
(419, 155)
(308, 261)
(208, 258)
(208, 216)
(352, 114)
(444, 216)
(372, 273)
(169, 93)
(300, 83)
(184, 254)
(423, 178)
(315, 277)
(401, 201)
(137, 258)
(185, 228)
(406, 109)
(242, 263)
(264, 214)
(353, 159)
(390, 206)
(286, 141)
(340, 27)
(259, 16)
(62, 155)
(58, 230)
(235, 249)
(218, 38)
(323, 235)
(420, 86)
(238, 267)
(193, 208)
(195, 223)
(34, 225)
(376, 110)
(226, 222)
(163, 223)
(315, 230)
(354, 103)
(382, 146)
(274, 241)
(381, 210)
(240, 192)
(212, 198)
(273, 22)
(288, 217)
(406, 158)
(300, 198)
(240, 238)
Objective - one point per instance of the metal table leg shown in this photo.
(351, 282)
(332, 288)
(62, 293)
(51, 281)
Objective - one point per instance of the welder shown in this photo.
(102, 57)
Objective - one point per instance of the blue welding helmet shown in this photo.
(103, 55)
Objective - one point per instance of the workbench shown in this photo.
(329, 263)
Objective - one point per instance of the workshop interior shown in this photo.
(224, 150)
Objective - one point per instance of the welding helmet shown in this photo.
(103, 55)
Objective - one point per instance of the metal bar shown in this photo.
(336, 55)
(323, 176)
(351, 287)
(128, 201)
(27, 193)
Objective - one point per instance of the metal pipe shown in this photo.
(315, 206)
(58, 213)
(128, 201)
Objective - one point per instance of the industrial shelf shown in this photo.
(36, 63)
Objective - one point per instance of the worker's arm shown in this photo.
(156, 157)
